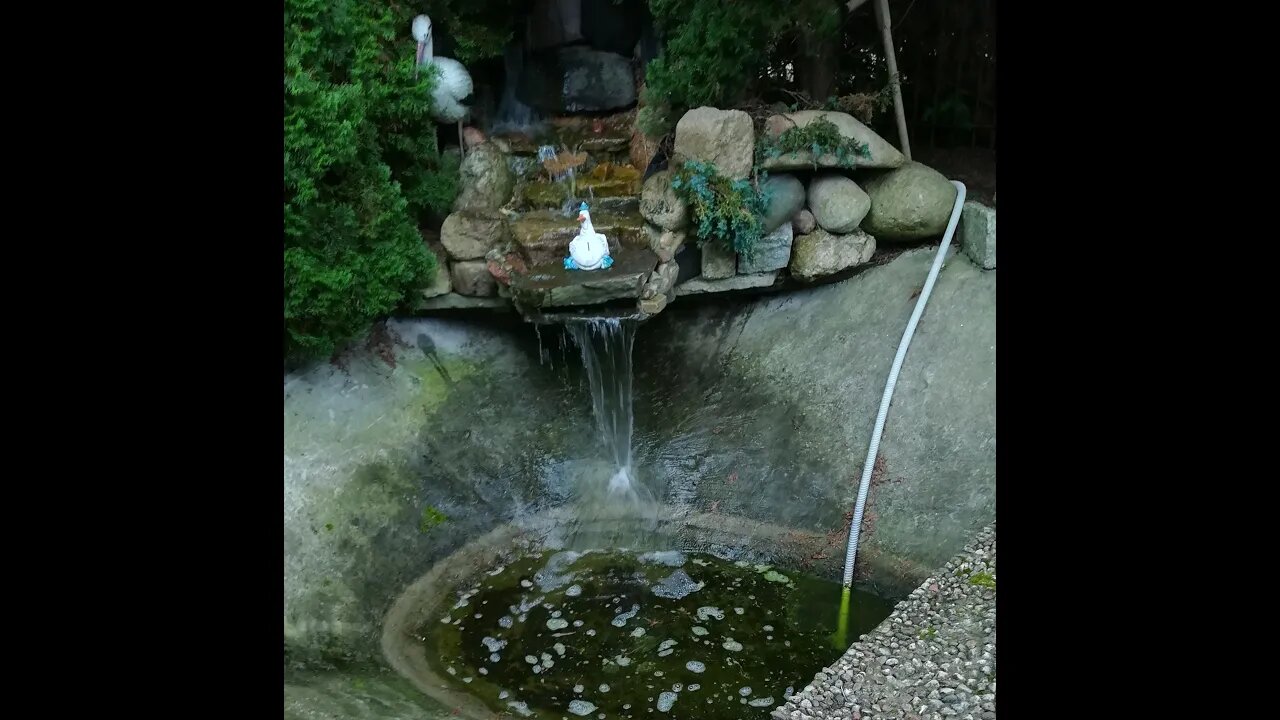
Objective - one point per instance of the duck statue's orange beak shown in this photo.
(581, 217)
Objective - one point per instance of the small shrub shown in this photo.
(729, 212)
(820, 137)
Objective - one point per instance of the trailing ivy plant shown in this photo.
(727, 212)
(820, 137)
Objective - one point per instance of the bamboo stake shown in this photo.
(882, 16)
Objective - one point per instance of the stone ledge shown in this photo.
(699, 286)
(454, 301)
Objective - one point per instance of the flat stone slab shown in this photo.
(543, 236)
(698, 285)
(551, 285)
(454, 301)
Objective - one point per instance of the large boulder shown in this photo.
(485, 180)
(837, 203)
(820, 253)
(724, 138)
(469, 234)
(883, 155)
(771, 252)
(786, 197)
(978, 234)
(660, 205)
(913, 202)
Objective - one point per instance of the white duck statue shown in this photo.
(589, 250)
(453, 84)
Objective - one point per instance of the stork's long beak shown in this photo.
(422, 49)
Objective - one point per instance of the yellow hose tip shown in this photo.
(841, 638)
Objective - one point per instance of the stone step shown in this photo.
(543, 235)
(551, 285)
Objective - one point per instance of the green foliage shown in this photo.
(715, 49)
(480, 28)
(729, 212)
(820, 137)
(654, 118)
(361, 169)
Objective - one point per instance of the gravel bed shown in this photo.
(933, 658)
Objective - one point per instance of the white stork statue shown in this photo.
(452, 86)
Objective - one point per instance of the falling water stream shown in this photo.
(606, 355)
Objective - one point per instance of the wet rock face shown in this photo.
(543, 237)
(551, 285)
(577, 79)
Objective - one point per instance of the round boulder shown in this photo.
(913, 202)
(786, 197)
(837, 203)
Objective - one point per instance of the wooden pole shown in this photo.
(882, 16)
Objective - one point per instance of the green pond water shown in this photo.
(623, 635)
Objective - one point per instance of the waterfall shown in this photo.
(606, 355)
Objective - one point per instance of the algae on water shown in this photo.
(638, 635)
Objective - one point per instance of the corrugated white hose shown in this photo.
(869, 464)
